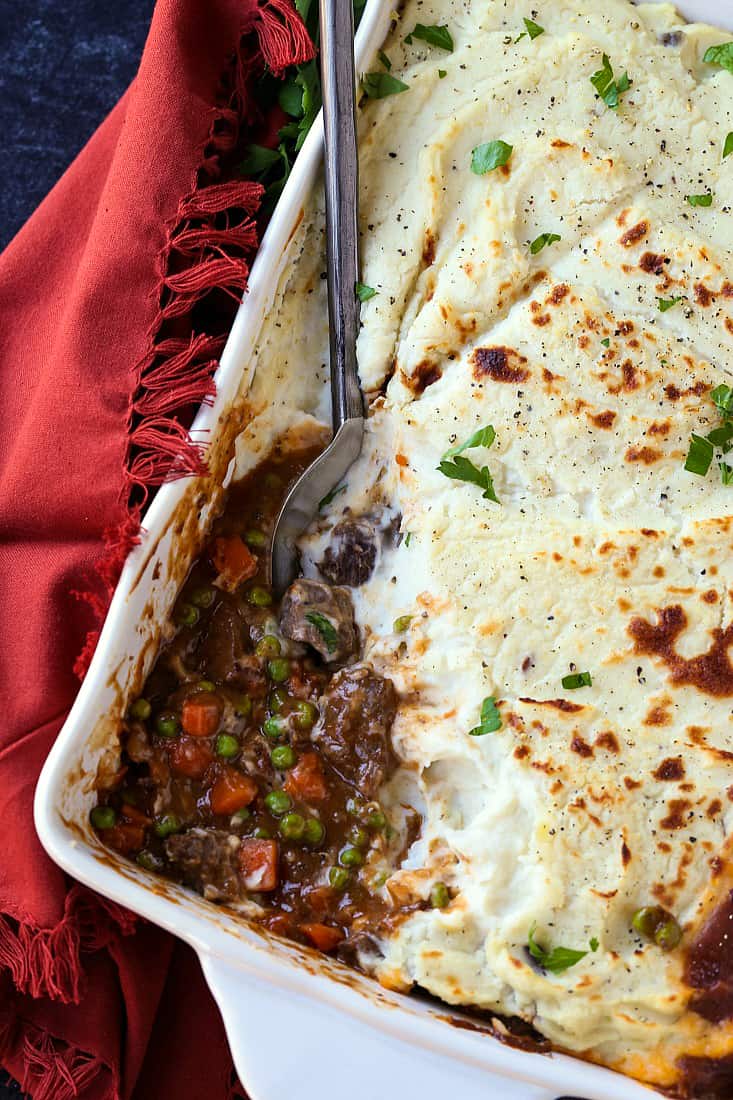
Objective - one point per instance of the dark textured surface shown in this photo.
(63, 65)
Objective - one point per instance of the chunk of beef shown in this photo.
(220, 647)
(351, 554)
(320, 615)
(208, 861)
(357, 712)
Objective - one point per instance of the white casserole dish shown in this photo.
(387, 1043)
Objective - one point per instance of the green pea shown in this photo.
(279, 669)
(240, 816)
(376, 819)
(167, 824)
(668, 934)
(255, 539)
(278, 802)
(305, 714)
(203, 597)
(259, 596)
(359, 836)
(140, 709)
(187, 615)
(242, 705)
(439, 896)
(149, 861)
(351, 857)
(401, 624)
(338, 877)
(278, 699)
(282, 757)
(167, 724)
(314, 832)
(292, 826)
(646, 920)
(103, 817)
(268, 646)
(262, 834)
(205, 685)
(274, 728)
(226, 746)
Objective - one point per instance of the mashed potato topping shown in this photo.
(578, 299)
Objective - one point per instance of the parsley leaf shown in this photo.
(544, 239)
(728, 146)
(462, 469)
(364, 292)
(721, 54)
(454, 466)
(594, 943)
(700, 200)
(534, 30)
(490, 719)
(325, 501)
(257, 159)
(557, 960)
(667, 303)
(380, 85)
(485, 158)
(444, 72)
(606, 341)
(722, 436)
(722, 396)
(577, 680)
(726, 473)
(699, 456)
(384, 60)
(434, 35)
(325, 628)
(482, 437)
(610, 90)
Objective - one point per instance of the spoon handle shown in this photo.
(342, 222)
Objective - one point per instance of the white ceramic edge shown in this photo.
(384, 1042)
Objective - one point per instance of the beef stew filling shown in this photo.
(252, 761)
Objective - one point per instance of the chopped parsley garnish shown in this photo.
(720, 55)
(610, 90)
(408, 538)
(482, 437)
(384, 60)
(381, 85)
(325, 501)
(700, 200)
(606, 341)
(702, 448)
(557, 960)
(442, 73)
(577, 680)
(534, 30)
(544, 239)
(364, 292)
(325, 628)
(455, 466)
(666, 303)
(699, 456)
(593, 943)
(728, 146)
(490, 719)
(485, 158)
(435, 36)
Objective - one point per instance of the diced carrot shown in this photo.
(190, 757)
(258, 864)
(200, 714)
(306, 780)
(322, 936)
(125, 837)
(232, 560)
(134, 816)
(231, 791)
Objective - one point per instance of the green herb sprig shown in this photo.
(559, 958)
(455, 466)
(490, 719)
(702, 448)
(609, 89)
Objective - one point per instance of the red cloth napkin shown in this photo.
(114, 302)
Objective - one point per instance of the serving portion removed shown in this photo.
(484, 746)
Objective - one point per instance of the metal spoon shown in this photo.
(341, 178)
